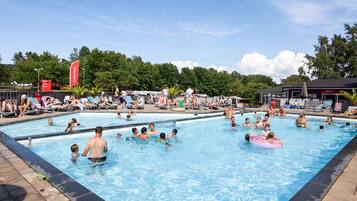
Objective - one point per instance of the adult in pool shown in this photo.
(152, 130)
(329, 121)
(301, 121)
(97, 147)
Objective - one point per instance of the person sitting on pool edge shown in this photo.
(301, 121)
(329, 120)
(97, 147)
(72, 124)
(152, 130)
(143, 135)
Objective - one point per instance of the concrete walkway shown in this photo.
(345, 188)
(19, 182)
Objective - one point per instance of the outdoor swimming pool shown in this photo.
(87, 120)
(210, 161)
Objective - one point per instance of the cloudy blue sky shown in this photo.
(269, 37)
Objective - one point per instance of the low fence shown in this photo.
(15, 95)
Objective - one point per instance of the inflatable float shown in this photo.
(261, 141)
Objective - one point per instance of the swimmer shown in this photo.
(266, 130)
(270, 137)
(132, 113)
(329, 120)
(247, 137)
(152, 130)
(281, 112)
(74, 154)
(174, 134)
(50, 121)
(301, 121)
(72, 124)
(162, 139)
(247, 122)
(266, 119)
(135, 133)
(321, 127)
(143, 135)
(259, 122)
(97, 147)
(234, 125)
(128, 117)
(233, 119)
(119, 115)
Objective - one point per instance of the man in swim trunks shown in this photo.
(97, 147)
(301, 121)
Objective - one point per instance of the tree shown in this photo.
(351, 97)
(335, 58)
(294, 79)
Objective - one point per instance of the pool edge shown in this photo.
(320, 184)
(72, 189)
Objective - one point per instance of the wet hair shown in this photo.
(134, 130)
(74, 148)
(247, 137)
(174, 130)
(98, 129)
(266, 115)
(143, 130)
(234, 124)
(162, 135)
(321, 127)
(247, 118)
(270, 135)
(152, 123)
(118, 113)
(74, 120)
(348, 123)
(128, 116)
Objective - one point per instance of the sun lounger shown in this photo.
(87, 105)
(325, 106)
(37, 105)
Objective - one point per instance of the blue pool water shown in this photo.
(210, 162)
(87, 120)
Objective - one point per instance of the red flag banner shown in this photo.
(73, 74)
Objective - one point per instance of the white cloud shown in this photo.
(191, 64)
(325, 14)
(218, 68)
(208, 29)
(281, 66)
(184, 64)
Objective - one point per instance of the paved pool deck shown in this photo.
(19, 182)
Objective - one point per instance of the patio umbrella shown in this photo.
(304, 91)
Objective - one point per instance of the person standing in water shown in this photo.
(97, 147)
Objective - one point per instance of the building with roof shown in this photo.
(323, 89)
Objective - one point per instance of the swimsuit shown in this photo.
(98, 160)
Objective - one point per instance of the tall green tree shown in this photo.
(335, 58)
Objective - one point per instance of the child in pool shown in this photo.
(50, 121)
(74, 154)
